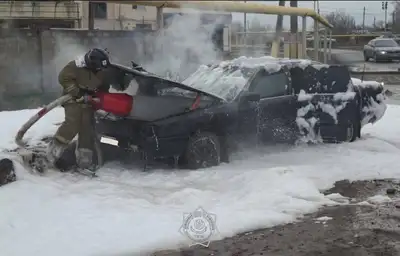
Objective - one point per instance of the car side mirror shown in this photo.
(248, 97)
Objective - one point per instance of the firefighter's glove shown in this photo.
(85, 99)
(73, 90)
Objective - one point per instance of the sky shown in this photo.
(354, 8)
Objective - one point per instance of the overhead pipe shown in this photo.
(230, 7)
(278, 31)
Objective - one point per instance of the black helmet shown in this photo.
(97, 59)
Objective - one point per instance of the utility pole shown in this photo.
(245, 26)
(363, 24)
(374, 21)
(278, 31)
(315, 8)
(393, 19)
(293, 31)
(91, 16)
(384, 8)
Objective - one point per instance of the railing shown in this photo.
(256, 8)
(39, 10)
(253, 43)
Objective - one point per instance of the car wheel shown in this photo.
(203, 150)
(351, 131)
(366, 58)
(374, 57)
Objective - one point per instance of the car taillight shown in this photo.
(119, 104)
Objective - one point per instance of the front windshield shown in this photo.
(385, 43)
(225, 82)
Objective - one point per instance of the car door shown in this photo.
(370, 48)
(277, 104)
(247, 120)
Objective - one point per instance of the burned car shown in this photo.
(199, 122)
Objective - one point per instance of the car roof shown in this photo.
(270, 64)
(383, 39)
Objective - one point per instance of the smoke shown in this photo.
(66, 49)
(182, 46)
(175, 51)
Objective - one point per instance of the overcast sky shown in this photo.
(355, 8)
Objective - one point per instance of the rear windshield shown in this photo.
(225, 82)
(385, 43)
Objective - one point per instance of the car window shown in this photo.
(270, 85)
(385, 43)
(372, 43)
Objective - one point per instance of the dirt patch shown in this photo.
(358, 229)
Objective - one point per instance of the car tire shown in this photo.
(349, 132)
(203, 151)
(366, 58)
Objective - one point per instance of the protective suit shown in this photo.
(80, 78)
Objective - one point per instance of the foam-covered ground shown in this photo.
(129, 211)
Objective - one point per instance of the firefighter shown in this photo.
(80, 79)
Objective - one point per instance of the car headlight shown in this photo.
(382, 52)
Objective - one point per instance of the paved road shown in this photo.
(356, 59)
(388, 71)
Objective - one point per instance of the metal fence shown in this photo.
(39, 10)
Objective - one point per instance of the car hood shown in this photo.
(139, 74)
(395, 48)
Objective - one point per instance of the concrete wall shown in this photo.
(120, 17)
(30, 60)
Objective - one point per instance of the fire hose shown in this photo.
(56, 103)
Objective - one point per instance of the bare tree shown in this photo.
(379, 25)
(343, 23)
(396, 17)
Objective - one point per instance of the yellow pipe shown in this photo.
(357, 35)
(228, 6)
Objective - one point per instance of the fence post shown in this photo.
(39, 33)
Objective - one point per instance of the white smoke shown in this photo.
(182, 46)
(175, 51)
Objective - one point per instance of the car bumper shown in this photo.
(388, 56)
(154, 146)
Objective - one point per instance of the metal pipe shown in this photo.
(316, 42)
(304, 36)
(230, 6)
(293, 32)
(325, 45)
(278, 31)
(245, 26)
(91, 15)
(160, 18)
(330, 44)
